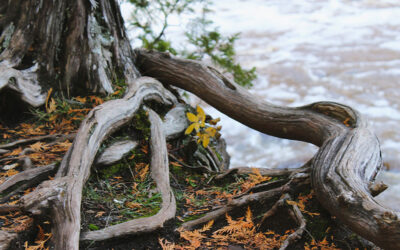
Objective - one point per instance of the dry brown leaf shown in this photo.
(132, 205)
(16, 151)
(207, 226)
(9, 173)
(143, 172)
(99, 214)
(40, 236)
(165, 244)
(97, 100)
(176, 164)
(38, 146)
(81, 99)
(52, 106)
(47, 97)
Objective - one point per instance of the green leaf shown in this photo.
(93, 227)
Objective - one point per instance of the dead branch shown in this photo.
(54, 138)
(31, 177)
(296, 235)
(274, 209)
(263, 171)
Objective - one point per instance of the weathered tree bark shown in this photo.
(68, 45)
(81, 45)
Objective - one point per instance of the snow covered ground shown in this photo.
(346, 51)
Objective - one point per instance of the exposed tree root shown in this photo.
(343, 169)
(263, 171)
(6, 238)
(160, 174)
(274, 209)
(65, 191)
(182, 163)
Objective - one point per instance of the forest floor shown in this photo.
(125, 191)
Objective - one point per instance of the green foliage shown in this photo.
(108, 172)
(150, 20)
(222, 53)
(93, 227)
(141, 124)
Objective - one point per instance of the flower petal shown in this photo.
(192, 117)
(214, 121)
(201, 115)
(196, 126)
(206, 140)
(190, 128)
(211, 131)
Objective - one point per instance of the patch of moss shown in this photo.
(107, 172)
(193, 217)
(141, 124)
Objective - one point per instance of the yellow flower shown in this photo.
(211, 131)
(198, 121)
(205, 137)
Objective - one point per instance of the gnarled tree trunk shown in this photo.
(81, 45)
(66, 45)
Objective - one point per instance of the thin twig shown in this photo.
(263, 171)
(56, 137)
(299, 218)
